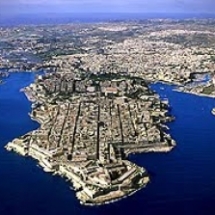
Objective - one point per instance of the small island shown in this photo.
(90, 123)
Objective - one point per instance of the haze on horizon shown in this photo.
(19, 7)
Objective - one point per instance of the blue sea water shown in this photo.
(65, 18)
(182, 181)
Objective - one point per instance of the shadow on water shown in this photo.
(182, 181)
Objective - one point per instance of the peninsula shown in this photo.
(90, 123)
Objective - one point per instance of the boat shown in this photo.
(213, 111)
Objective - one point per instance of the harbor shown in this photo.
(193, 130)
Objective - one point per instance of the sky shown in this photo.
(9, 7)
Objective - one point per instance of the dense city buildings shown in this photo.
(88, 127)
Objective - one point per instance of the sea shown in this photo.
(182, 181)
(65, 18)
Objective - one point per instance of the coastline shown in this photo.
(193, 93)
